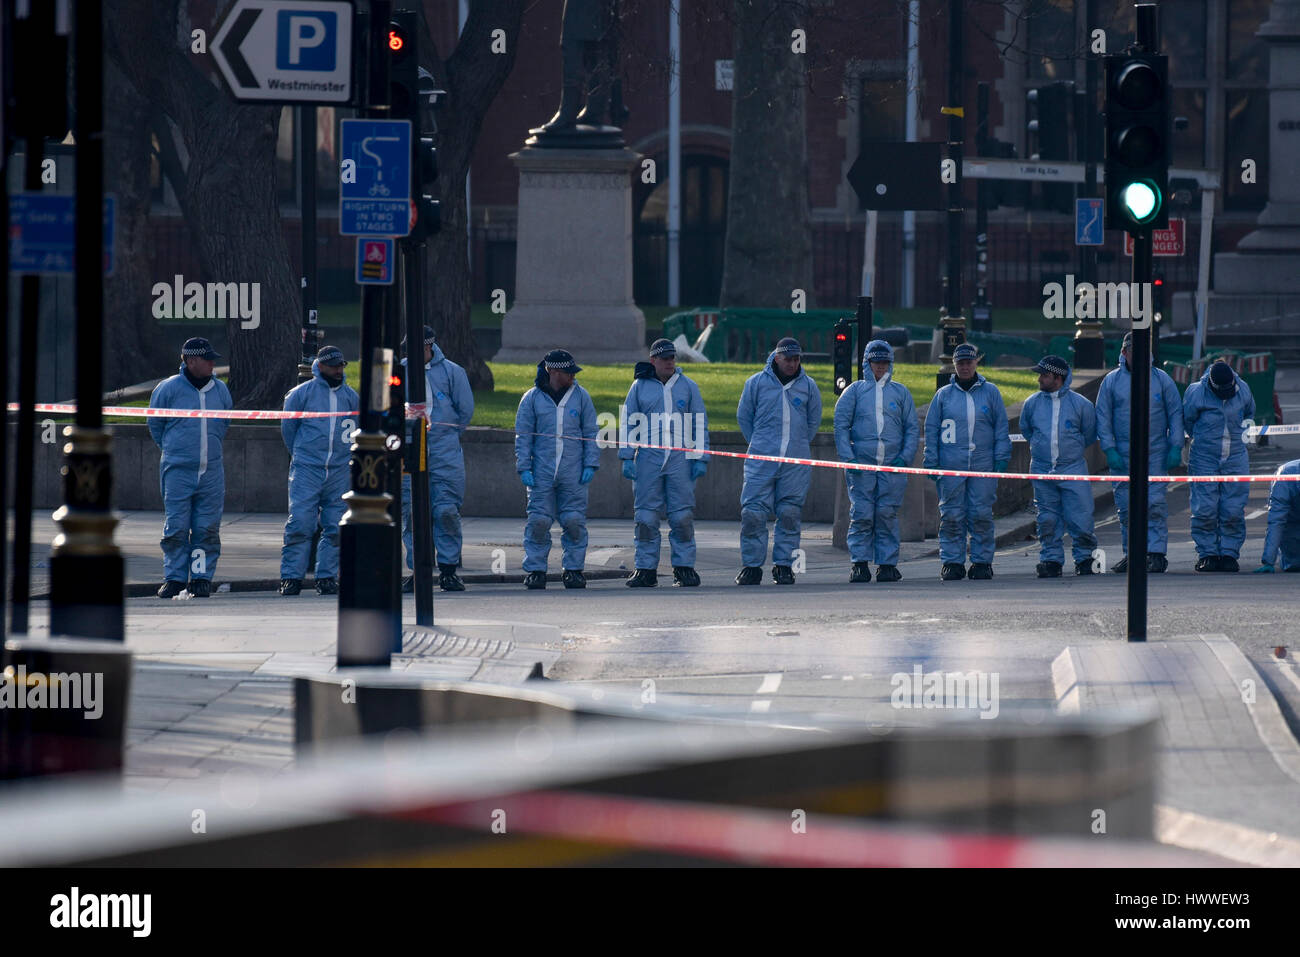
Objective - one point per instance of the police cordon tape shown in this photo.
(780, 459)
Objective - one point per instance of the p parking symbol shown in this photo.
(304, 40)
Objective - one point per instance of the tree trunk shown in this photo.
(472, 75)
(768, 251)
(137, 354)
(225, 185)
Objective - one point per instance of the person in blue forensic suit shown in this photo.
(1059, 425)
(780, 411)
(875, 424)
(668, 408)
(319, 476)
(966, 429)
(191, 474)
(1215, 411)
(1165, 452)
(448, 408)
(1283, 534)
(556, 457)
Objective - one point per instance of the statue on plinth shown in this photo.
(591, 111)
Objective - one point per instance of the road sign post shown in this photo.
(287, 51)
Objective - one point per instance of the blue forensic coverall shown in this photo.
(1059, 426)
(875, 424)
(1216, 427)
(319, 476)
(775, 419)
(977, 438)
(1284, 521)
(450, 402)
(668, 413)
(191, 475)
(555, 440)
(1114, 405)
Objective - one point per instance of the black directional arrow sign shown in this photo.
(899, 176)
(287, 51)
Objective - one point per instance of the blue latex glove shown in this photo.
(698, 468)
(629, 470)
(1114, 461)
(935, 478)
(898, 462)
(1264, 569)
(526, 476)
(1174, 458)
(588, 473)
(1001, 465)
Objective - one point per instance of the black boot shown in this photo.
(888, 573)
(1048, 570)
(1084, 567)
(1208, 563)
(1157, 563)
(327, 586)
(448, 580)
(685, 576)
(408, 585)
(170, 589)
(644, 578)
(982, 571)
(861, 573)
(953, 572)
(1228, 564)
(200, 588)
(535, 580)
(1121, 566)
(783, 574)
(573, 578)
(290, 586)
(750, 575)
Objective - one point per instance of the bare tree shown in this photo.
(223, 172)
(472, 75)
(769, 232)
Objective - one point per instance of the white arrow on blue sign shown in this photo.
(1089, 220)
(287, 51)
(375, 199)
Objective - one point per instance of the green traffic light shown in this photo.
(1141, 201)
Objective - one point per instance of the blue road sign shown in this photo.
(375, 183)
(374, 261)
(42, 234)
(1089, 218)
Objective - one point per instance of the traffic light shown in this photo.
(395, 416)
(410, 93)
(40, 71)
(1048, 127)
(1138, 142)
(842, 354)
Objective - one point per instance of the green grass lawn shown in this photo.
(720, 384)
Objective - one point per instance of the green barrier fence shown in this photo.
(749, 335)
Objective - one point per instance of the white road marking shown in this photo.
(1256, 514)
(764, 705)
(1290, 672)
(601, 556)
(698, 628)
(846, 677)
(770, 684)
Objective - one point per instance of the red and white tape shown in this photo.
(247, 414)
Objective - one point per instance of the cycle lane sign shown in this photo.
(375, 181)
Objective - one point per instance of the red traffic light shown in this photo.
(841, 337)
(1157, 281)
(396, 42)
(394, 380)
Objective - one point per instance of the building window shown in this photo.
(286, 169)
(703, 237)
(1247, 53)
(1189, 144)
(327, 156)
(1050, 39)
(882, 110)
(1245, 132)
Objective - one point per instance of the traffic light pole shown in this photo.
(366, 620)
(954, 326)
(1089, 346)
(864, 332)
(86, 568)
(421, 528)
(1139, 450)
(310, 293)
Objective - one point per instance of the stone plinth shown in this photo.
(573, 272)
